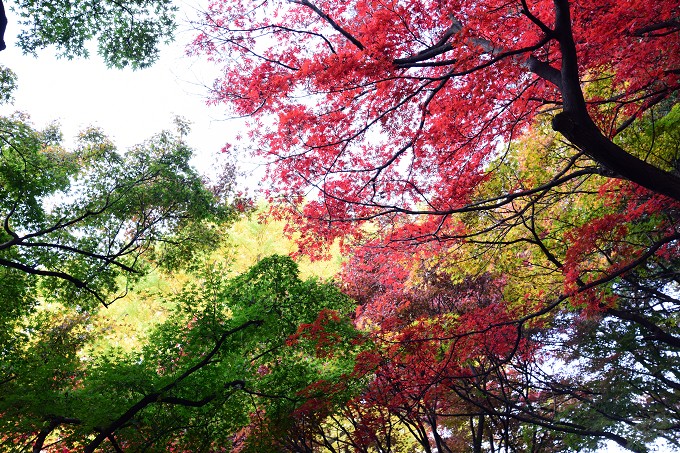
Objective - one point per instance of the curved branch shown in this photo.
(158, 396)
(62, 275)
(657, 333)
(577, 126)
(442, 46)
(53, 424)
(671, 26)
(330, 21)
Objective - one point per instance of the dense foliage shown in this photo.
(82, 219)
(399, 107)
(128, 33)
(79, 228)
(219, 361)
(506, 350)
(502, 177)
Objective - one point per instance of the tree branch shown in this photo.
(3, 26)
(442, 46)
(672, 26)
(330, 21)
(53, 424)
(158, 396)
(576, 125)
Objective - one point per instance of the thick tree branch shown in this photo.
(440, 47)
(572, 95)
(53, 424)
(45, 273)
(3, 26)
(544, 71)
(670, 26)
(237, 384)
(576, 125)
(580, 130)
(656, 332)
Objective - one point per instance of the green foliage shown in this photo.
(81, 219)
(222, 355)
(78, 227)
(128, 33)
(657, 136)
(8, 83)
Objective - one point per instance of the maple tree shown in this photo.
(517, 287)
(465, 361)
(84, 224)
(398, 107)
(79, 228)
(369, 115)
(531, 141)
(590, 355)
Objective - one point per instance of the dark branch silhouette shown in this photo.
(3, 26)
(160, 395)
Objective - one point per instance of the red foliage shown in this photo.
(398, 107)
(391, 113)
(612, 244)
(318, 332)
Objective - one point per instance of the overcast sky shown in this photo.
(129, 106)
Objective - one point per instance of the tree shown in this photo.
(79, 229)
(221, 362)
(81, 223)
(405, 112)
(398, 108)
(615, 341)
(3, 26)
(128, 32)
(398, 122)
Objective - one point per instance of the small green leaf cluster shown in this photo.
(8, 83)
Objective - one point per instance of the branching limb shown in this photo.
(3, 26)
(53, 424)
(330, 21)
(158, 396)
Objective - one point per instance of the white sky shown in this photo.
(130, 106)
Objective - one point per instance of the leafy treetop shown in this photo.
(229, 356)
(128, 33)
(79, 220)
(399, 107)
